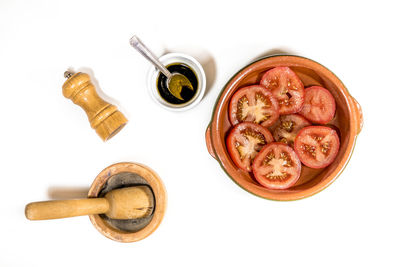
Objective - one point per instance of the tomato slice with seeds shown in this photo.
(254, 104)
(317, 146)
(319, 105)
(244, 141)
(287, 88)
(288, 127)
(277, 166)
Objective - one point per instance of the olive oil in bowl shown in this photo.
(187, 93)
(184, 65)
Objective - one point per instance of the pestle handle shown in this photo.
(124, 203)
(57, 209)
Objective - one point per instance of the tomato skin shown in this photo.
(237, 135)
(287, 128)
(262, 169)
(319, 105)
(251, 94)
(309, 148)
(287, 88)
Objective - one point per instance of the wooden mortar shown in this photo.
(127, 202)
(112, 229)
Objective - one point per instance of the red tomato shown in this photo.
(288, 127)
(244, 141)
(287, 88)
(277, 166)
(319, 105)
(317, 146)
(255, 104)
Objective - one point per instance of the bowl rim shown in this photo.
(213, 131)
(160, 196)
(199, 71)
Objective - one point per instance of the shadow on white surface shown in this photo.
(97, 86)
(206, 60)
(210, 70)
(276, 51)
(63, 192)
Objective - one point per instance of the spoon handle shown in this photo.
(139, 46)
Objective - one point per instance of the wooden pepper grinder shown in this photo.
(103, 117)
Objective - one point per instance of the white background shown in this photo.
(47, 143)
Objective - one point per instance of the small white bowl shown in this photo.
(171, 58)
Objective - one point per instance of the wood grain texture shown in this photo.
(130, 202)
(160, 198)
(125, 203)
(103, 117)
(58, 209)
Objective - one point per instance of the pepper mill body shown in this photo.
(104, 117)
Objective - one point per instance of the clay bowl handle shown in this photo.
(209, 142)
(359, 115)
(58, 209)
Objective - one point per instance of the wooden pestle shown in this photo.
(103, 117)
(124, 203)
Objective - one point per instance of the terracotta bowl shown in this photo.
(151, 179)
(348, 120)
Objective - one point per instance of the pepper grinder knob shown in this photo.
(105, 118)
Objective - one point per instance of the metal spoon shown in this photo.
(175, 81)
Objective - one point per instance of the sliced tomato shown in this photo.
(287, 88)
(287, 128)
(244, 141)
(317, 146)
(277, 166)
(254, 104)
(319, 105)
